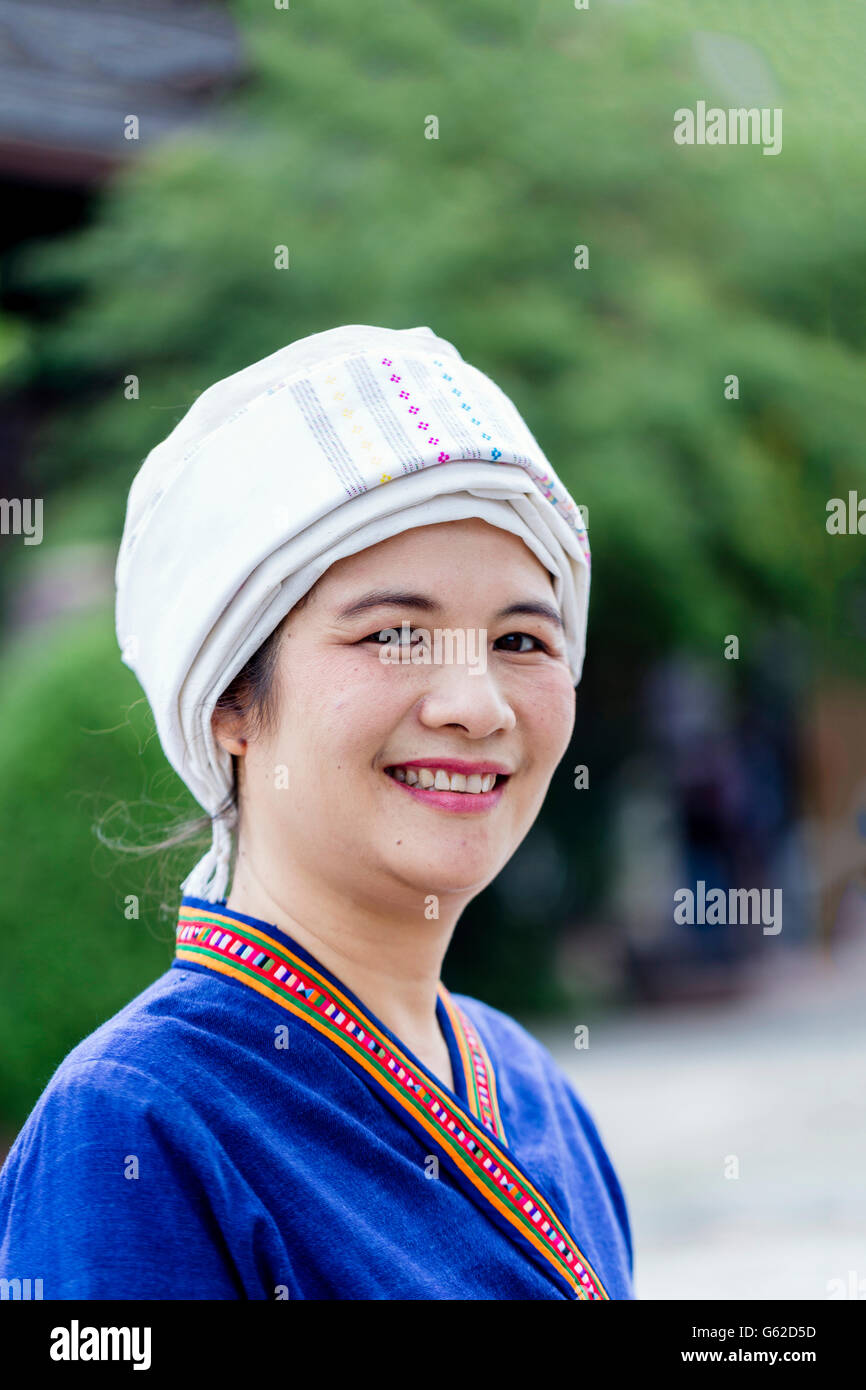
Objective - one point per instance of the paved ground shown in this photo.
(779, 1081)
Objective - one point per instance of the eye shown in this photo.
(519, 642)
(391, 636)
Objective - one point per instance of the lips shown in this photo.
(451, 784)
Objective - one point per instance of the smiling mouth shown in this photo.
(450, 790)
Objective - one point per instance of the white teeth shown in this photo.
(442, 781)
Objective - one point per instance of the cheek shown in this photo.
(338, 707)
(546, 714)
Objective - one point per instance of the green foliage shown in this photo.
(77, 748)
(14, 344)
(555, 130)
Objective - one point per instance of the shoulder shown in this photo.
(133, 1087)
(138, 1038)
(186, 1049)
(115, 1184)
(128, 1067)
(121, 1071)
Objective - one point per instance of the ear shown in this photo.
(227, 730)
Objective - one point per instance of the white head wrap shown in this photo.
(338, 441)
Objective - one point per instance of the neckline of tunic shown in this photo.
(281, 937)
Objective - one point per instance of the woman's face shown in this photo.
(339, 789)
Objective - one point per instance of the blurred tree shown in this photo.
(555, 130)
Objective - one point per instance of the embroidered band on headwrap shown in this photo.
(334, 443)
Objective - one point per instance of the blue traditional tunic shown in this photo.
(247, 1129)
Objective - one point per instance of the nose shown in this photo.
(458, 698)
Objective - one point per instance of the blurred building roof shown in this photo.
(71, 71)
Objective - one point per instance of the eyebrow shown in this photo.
(533, 609)
(390, 598)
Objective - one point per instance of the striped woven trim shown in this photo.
(477, 1068)
(248, 954)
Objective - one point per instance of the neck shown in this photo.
(388, 952)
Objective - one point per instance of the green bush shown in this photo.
(77, 746)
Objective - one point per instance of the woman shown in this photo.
(355, 594)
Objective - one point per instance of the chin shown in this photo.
(452, 874)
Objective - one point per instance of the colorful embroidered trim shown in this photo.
(477, 1068)
(236, 949)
